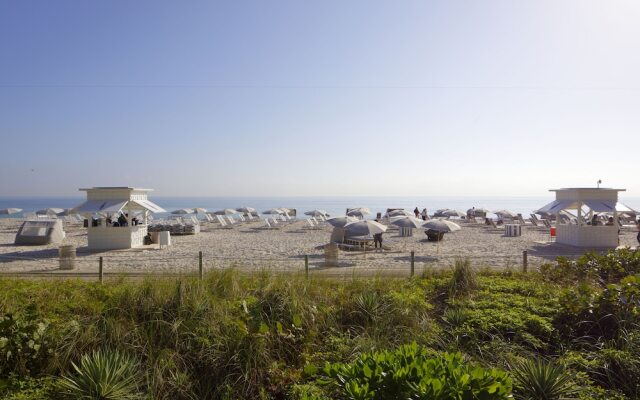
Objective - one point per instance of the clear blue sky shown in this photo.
(319, 97)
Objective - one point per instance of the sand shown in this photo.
(248, 248)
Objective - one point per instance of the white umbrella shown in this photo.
(504, 214)
(50, 211)
(453, 213)
(246, 210)
(359, 212)
(9, 211)
(340, 222)
(407, 222)
(183, 211)
(226, 211)
(364, 228)
(317, 213)
(400, 213)
(273, 211)
(441, 225)
(200, 210)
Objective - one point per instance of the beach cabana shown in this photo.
(40, 232)
(583, 203)
(105, 203)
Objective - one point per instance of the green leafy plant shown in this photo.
(24, 346)
(538, 379)
(463, 280)
(410, 372)
(103, 375)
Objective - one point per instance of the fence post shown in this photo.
(525, 261)
(306, 265)
(200, 271)
(413, 262)
(100, 271)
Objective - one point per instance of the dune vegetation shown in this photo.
(567, 331)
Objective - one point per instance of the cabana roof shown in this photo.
(602, 200)
(115, 206)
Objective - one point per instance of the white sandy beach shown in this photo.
(246, 247)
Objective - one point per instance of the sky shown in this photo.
(307, 98)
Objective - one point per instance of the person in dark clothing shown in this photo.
(638, 226)
(122, 220)
(417, 212)
(377, 239)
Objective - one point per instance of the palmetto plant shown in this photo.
(542, 380)
(103, 375)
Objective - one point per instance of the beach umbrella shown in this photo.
(273, 211)
(9, 211)
(65, 212)
(340, 222)
(364, 228)
(504, 214)
(359, 212)
(226, 211)
(50, 211)
(478, 211)
(200, 210)
(317, 213)
(399, 213)
(183, 211)
(441, 225)
(246, 210)
(453, 213)
(407, 222)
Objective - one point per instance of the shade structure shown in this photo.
(340, 222)
(200, 210)
(246, 210)
(364, 228)
(358, 212)
(441, 225)
(407, 222)
(9, 211)
(226, 211)
(317, 213)
(273, 211)
(453, 213)
(400, 213)
(505, 214)
(50, 211)
(183, 211)
(66, 212)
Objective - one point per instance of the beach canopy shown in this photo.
(504, 214)
(226, 211)
(50, 211)
(601, 206)
(9, 211)
(340, 222)
(452, 213)
(407, 222)
(441, 225)
(183, 211)
(274, 211)
(115, 206)
(400, 213)
(317, 213)
(246, 209)
(364, 228)
(200, 210)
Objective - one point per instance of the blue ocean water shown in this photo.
(333, 205)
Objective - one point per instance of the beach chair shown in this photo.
(534, 222)
(492, 223)
(249, 217)
(520, 220)
(223, 223)
(546, 223)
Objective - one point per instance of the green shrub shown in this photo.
(410, 372)
(463, 280)
(24, 344)
(602, 269)
(103, 375)
(542, 380)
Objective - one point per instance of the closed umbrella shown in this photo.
(441, 225)
(340, 222)
(407, 222)
(317, 213)
(50, 211)
(226, 211)
(9, 211)
(364, 228)
(183, 211)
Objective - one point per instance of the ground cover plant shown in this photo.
(568, 331)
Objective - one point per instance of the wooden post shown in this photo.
(413, 262)
(306, 266)
(100, 271)
(200, 271)
(525, 261)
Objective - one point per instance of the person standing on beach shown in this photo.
(424, 214)
(638, 227)
(377, 239)
(417, 212)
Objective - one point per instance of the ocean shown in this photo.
(333, 205)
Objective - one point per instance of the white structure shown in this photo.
(582, 204)
(110, 203)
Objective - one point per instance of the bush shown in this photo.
(410, 372)
(463, 281)
(103, 375)
(24, 345)
(601, 269)
(541, 380)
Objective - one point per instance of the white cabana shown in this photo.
(110, 203)
(583, 204)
